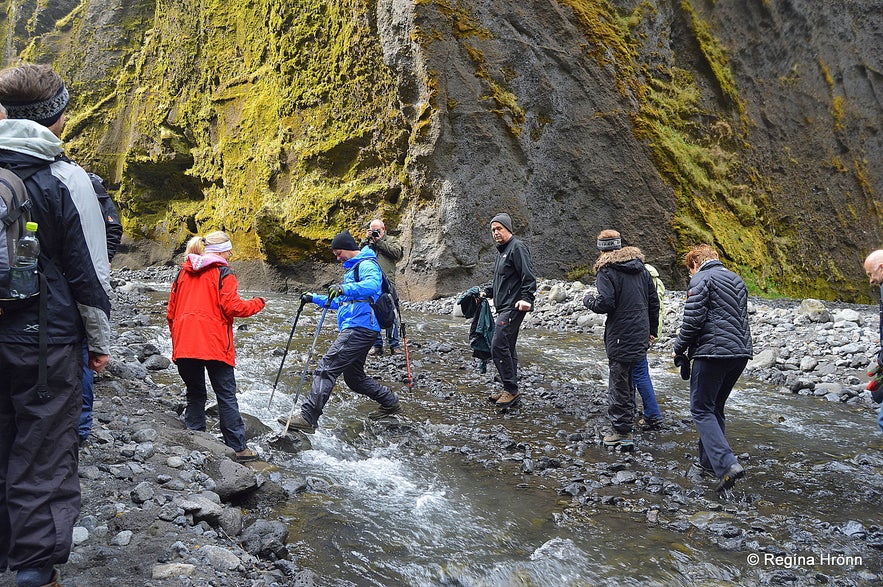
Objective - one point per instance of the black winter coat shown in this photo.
(627, 295)
(514, 279)
(715, 323)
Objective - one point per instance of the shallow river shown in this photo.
(408, 505)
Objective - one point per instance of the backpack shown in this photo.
(15, 212)
(386, 308)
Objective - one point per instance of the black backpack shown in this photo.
(386, 308)
(15, 212)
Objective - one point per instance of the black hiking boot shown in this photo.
(385, 411)
(729, 479)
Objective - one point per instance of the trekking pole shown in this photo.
(285, 354)
(303, 374)
(409, 381)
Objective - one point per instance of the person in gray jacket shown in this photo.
(39, 414)
(715, 334)
(513, 291)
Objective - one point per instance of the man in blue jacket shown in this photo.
(39, 486)
(358, 331)
(715, 334)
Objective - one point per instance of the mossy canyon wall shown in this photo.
(754, 126)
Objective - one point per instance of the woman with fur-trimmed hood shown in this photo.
(627, 295)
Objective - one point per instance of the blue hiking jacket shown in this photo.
(354, 306)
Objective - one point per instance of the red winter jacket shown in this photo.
(202, 304)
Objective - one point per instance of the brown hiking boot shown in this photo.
(494, 396)
(506, 399)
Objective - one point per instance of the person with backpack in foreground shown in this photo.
(513, 292)
(358, 328)
(203, 301)
(41, 337)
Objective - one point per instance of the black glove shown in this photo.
(335, 291)
(684, 363)
(589, 301)
(306, 298)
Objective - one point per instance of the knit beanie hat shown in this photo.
(609, 240)
(344, 241)
(503, 219)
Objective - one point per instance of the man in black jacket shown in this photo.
(40, 500)
(715, 335)
(627, 295)
(513, 291)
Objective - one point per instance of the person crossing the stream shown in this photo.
(203, 301)
(627, 294)
(512, 290)
(359, 330)
(715, 335)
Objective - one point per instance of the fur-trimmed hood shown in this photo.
(619, 257)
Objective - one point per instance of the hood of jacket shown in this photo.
(196, 263)
(628, 259)
(29, 138)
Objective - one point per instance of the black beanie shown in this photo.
(344, 241)
(505, 220)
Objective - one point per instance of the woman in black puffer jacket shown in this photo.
(716, 336)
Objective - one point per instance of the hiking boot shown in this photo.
(494, 396)
(298, 422)
(615, 439)
(507, 399)
(53, 581)
(384, 411)
(729, 479)
(394, 351)
(376, 351)
(650, 423)
(244, 456)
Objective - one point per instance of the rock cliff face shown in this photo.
(751, 125)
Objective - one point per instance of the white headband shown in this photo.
(219, 248)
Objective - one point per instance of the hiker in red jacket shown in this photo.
(202, 304)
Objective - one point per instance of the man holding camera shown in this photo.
(389, 252)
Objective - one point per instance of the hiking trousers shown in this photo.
(711, 381)
(621, 396)
(223, 380)
(39, 486)
(346, 356)
(503, 347)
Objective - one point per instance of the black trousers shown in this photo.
(346, 357)
(711, 382)
(503, 347)
(39, 486)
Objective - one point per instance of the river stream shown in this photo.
(440, 496)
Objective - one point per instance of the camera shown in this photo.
(375, 234)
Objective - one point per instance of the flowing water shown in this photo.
(406, 505)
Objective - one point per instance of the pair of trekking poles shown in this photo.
(303, 375)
